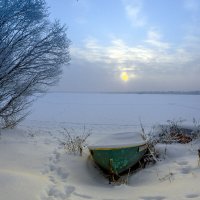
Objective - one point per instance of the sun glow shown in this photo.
(124, 76)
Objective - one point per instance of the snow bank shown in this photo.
(35, 166)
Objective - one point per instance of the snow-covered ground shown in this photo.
(35, 166)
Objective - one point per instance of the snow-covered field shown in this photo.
(35, 166)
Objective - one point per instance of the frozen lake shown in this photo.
(112, 111)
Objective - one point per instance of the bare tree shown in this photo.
(32, 52)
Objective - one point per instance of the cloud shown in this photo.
(133, 9)
(117, 52)
(152, 65)
(154, 39)
(152, 56)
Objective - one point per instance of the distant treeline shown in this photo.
(159, 92)
(136, 92)
(175, 92)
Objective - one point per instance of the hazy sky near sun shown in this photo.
(130, 45)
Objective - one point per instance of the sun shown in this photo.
(124, 76)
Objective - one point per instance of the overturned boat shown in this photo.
(118, 152)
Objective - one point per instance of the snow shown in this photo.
(35, 166)
(117, 140)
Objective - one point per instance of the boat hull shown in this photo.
(116, 160)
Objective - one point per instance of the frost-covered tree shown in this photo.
(32, 52)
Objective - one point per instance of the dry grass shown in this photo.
(74, 144)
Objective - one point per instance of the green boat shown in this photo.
(118, 154)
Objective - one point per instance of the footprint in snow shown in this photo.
(69, 190)
(182, 163)
(61, 173)
(58, 189)
(191, 196)
(56, 193)
(52, 167)
(153, 198)
(55, 157)
(82, 195)
(53, 191)
(186, 170)
(52, 179)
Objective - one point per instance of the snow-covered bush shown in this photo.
(172, 132)
(74, 143)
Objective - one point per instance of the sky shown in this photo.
(130, 45)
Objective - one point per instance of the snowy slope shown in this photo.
(35, 166)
